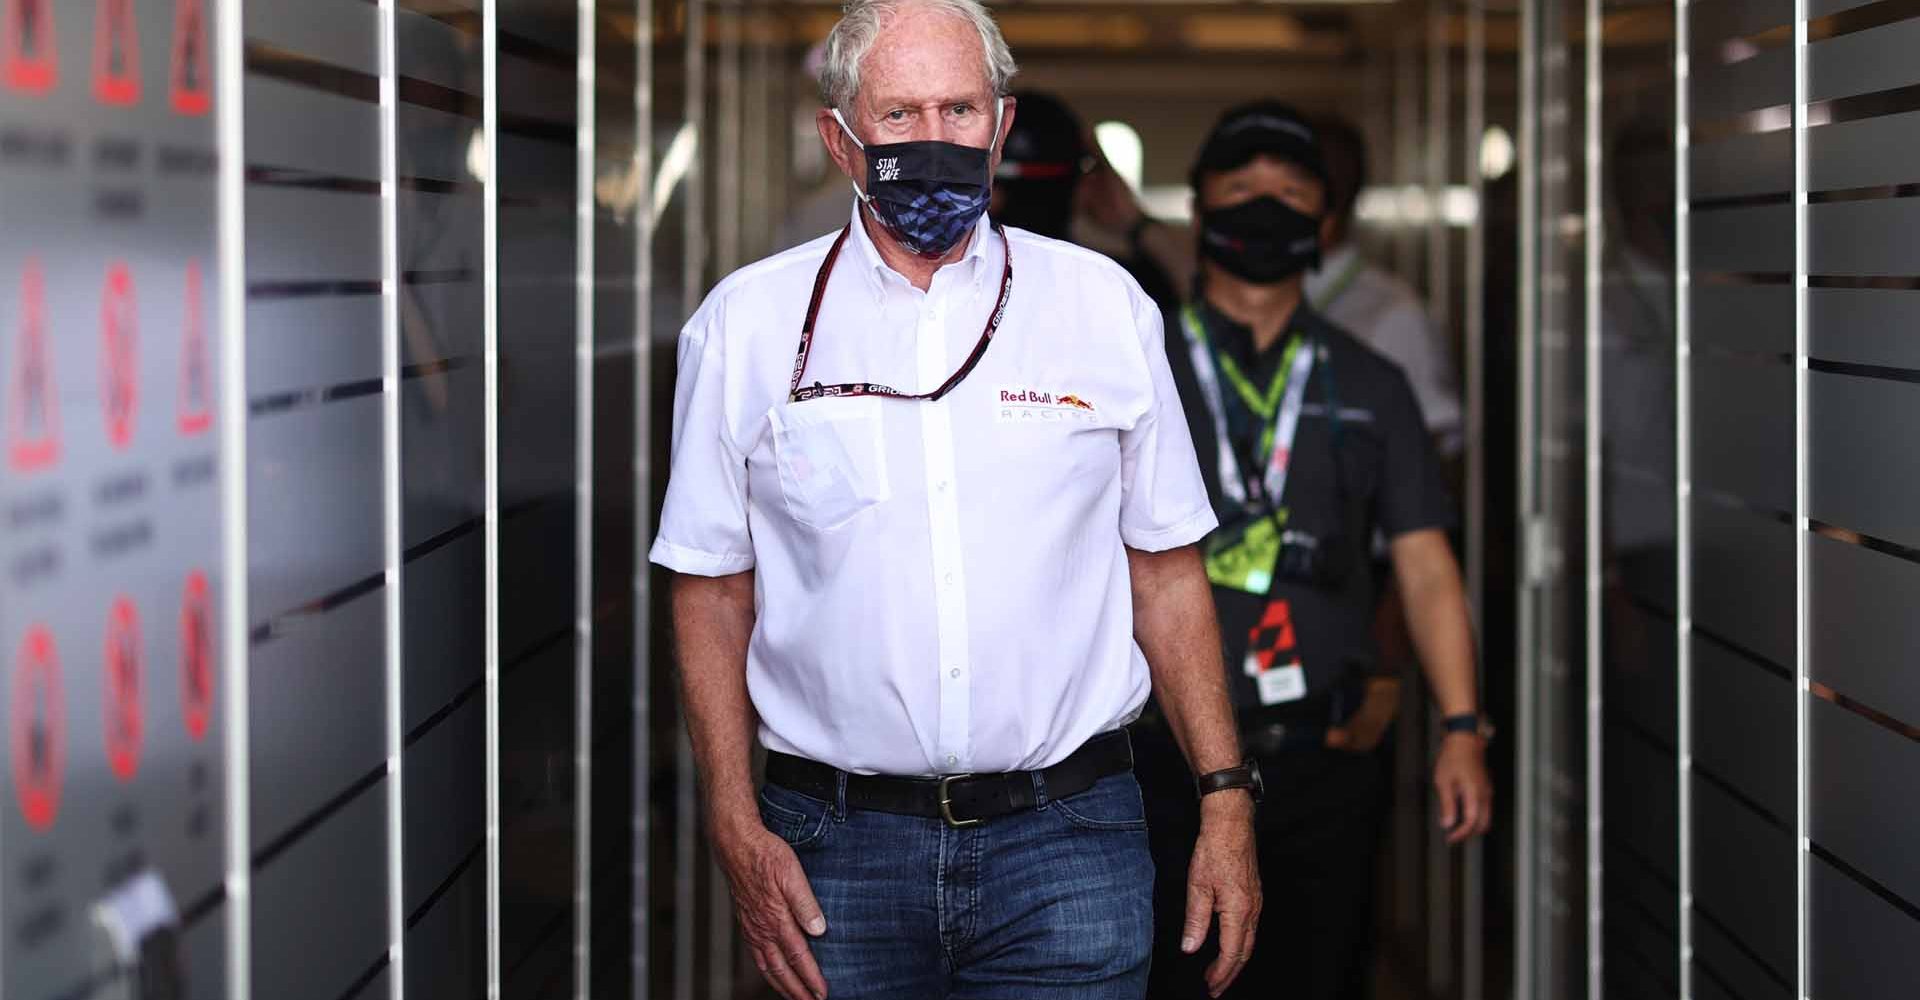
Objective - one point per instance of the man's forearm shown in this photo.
(1437, 618)
(1174, 622)
(712, 620)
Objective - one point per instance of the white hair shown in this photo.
(860, 24)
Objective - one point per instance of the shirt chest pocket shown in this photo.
(831, 457)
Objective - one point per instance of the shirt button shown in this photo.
(942, 487)
(949, 579)
(955, 672)
(953, 758)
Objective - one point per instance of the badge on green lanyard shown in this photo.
(1244, 560)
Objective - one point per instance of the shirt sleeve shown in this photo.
(1163, 500)
(703, 527)
(1405, 335)
(1413, 495)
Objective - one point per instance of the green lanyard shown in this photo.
(1263, 405)
(1278, 409)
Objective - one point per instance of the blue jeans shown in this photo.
(1054, 903)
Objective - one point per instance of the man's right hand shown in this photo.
(773, 903)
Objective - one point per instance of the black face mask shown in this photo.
(928, 194)
(1264, 241)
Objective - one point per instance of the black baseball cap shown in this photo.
(1260, 127)
(1044, 142)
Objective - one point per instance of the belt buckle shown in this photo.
(946, 802)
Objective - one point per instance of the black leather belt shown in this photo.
(959, 799)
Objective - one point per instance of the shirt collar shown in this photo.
(980, 243)
(1236, 341)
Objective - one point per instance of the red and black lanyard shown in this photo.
(795, 394)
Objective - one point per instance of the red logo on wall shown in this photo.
(196, 378)
(39, 721)
(33, 432)
(196, 656)
(32, 60)
(123, 719)
(119, 368)
(191, 93)
(116, 53)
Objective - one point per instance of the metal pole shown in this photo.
(1683, 477)
(642, 825)
(1472, 929)
(490, 255)
(726, 150)
(1595, 232)
(692, 278)
(1440, 857)
(1801, 523)
(584, 139)
(230, 139)
(391, 488)
(1526, 935)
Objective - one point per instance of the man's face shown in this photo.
(925, 78)
(1264, 176)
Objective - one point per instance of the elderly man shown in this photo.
(936, 556)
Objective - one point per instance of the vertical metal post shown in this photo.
(642, 825)
(1406, 143)
(1438, 146)
(490, 256)
(731, 22)
(1440, 858)
(1526, 745)
(230, 140)
(686, 813)
(693, 275)
(761, 175)
(583, 229)
(1595, 233)
(391, 488)
(725, 150)
(1801, 524)
(1683, 473)
(1472, 926)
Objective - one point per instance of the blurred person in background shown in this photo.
(1038, 186)
(1386, 314)
(1379, 309)
(1310, 443)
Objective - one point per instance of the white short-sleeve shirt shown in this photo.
(1387, 315)
(940, 587)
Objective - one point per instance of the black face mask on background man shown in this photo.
(1264, 241)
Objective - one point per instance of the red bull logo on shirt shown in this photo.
(1024, 405)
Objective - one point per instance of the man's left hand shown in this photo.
(1369, 723)
(1466, 793)
(1225, 880)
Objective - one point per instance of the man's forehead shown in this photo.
(897, 96)
(1268, 164)
(924, 56)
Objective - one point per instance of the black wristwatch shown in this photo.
(1468, 722)
(1246, 776)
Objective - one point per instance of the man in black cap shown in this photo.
(1309, 443)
